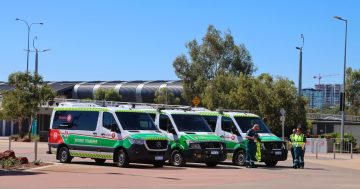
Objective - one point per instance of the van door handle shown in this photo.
(222, 136)
(95, 133)
(102, 134)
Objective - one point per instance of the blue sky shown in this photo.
(138, 40)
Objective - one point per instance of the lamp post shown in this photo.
(37, 51)
(342, 105)
(28, 39)
(300, 66)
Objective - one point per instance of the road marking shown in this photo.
(43, 167)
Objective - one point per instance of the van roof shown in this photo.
(84, 107)
(229, 114)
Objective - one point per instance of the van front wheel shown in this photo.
(122, 159)
(64, 155)
(177, 159)
(239, 158)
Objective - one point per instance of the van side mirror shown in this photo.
(114, 128)
(171, 130)
(234, 130)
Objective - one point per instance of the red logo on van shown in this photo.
(113, 135)
(69, 118)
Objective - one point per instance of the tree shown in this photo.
(353, 90)
(218, 54)
(262, 95)
(107, 94)
(25, 100)
(162, 96)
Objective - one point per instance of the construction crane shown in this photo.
(319, 77)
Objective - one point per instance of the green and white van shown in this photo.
(191, 138)
(121, 134)
(232, 126)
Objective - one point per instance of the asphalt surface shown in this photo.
(324, 172)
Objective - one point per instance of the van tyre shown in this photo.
(122, 159)
(99, 161)
(64, 155)
(271, 163)
(177, 159)
(159, 164)
(239, 158)
(211, 164)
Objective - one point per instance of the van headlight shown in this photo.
(195, 146)
(137, 141)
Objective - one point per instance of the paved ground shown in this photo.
(83, 173)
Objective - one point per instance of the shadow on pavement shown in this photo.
(131, 166)
(219, 166)
(18, 173)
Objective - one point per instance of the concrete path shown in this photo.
(83, 173)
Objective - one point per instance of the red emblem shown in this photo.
(69, 118)
(55, 135)
(232, 137)
(113, 135)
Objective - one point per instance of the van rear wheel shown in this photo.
(122, 159)
(239, 158)
(64, 155)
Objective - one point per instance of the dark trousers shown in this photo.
(250, 154)
(292, 154)
(302, 156)
(299, 160)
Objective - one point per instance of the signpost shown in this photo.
(196, 101)
(282, 119)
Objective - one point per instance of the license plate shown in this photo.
(278, 153)
(214, 152)
(159, 158)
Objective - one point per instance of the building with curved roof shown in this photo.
(130, 91)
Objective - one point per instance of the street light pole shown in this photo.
(344, 80)
(300, 66)
(28, 40)
(37, 51)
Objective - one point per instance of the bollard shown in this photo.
(36, 149)
(351, 150)
(9, 142)
(317, 149)
(334, 150)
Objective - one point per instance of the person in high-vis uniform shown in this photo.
(251, 136)
(299, 147)
(291, 141)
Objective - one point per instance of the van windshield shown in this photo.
(135, 121)
(191, 123)
(246, 123)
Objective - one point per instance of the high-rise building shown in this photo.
(331, 93)
(315, 98)
(323, 95)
